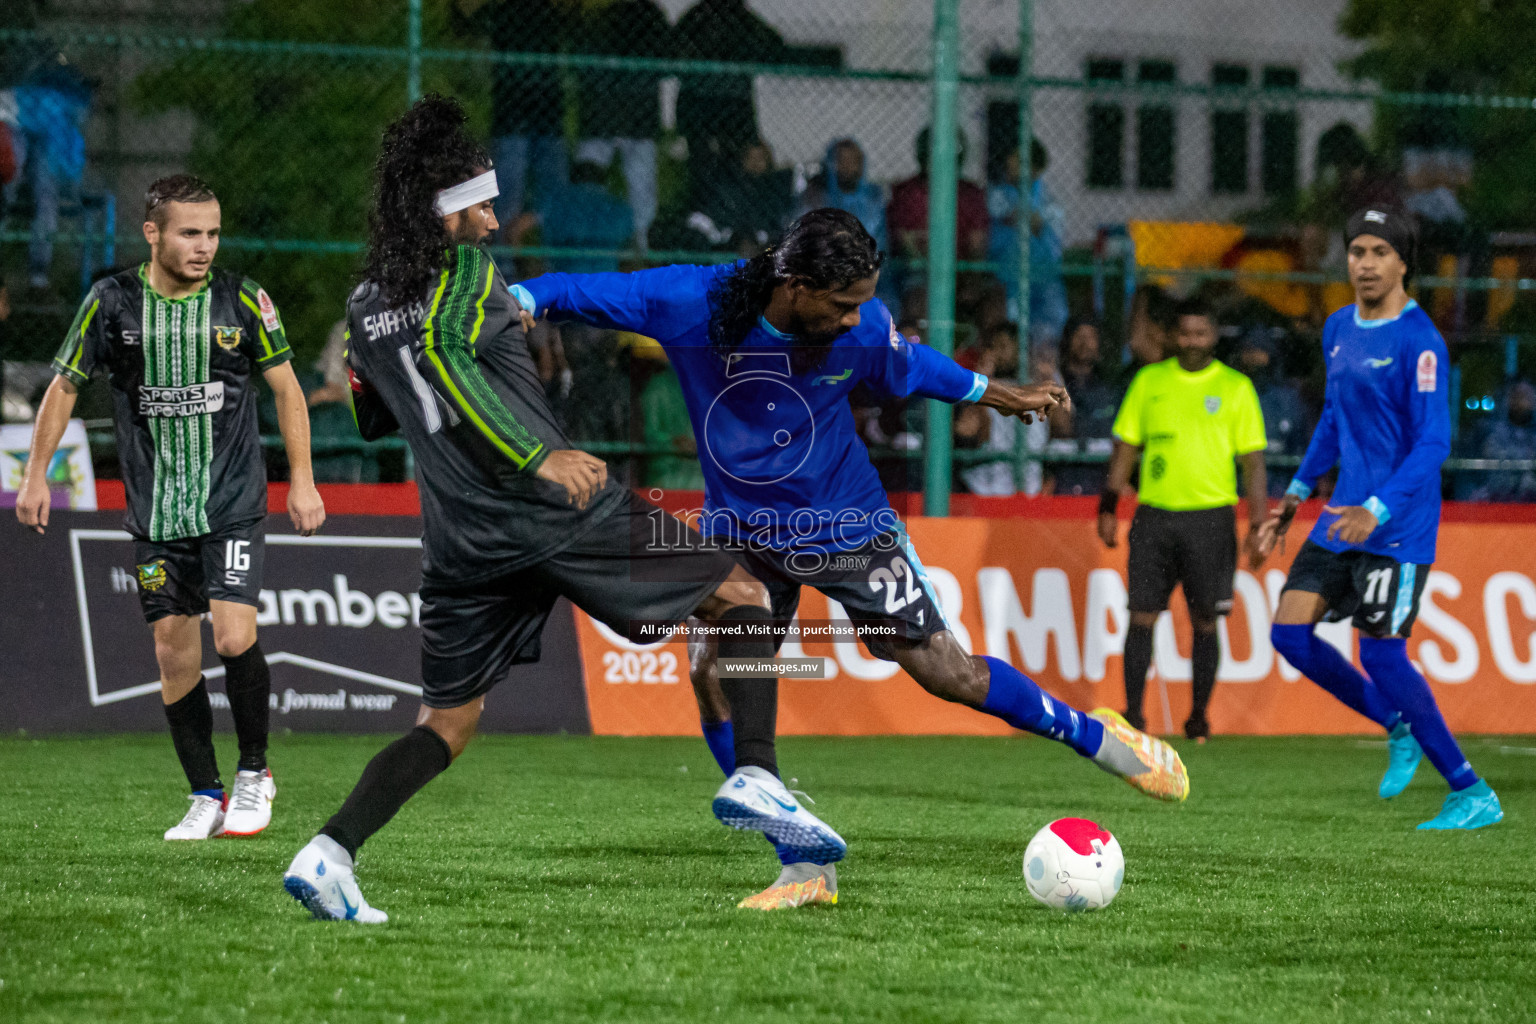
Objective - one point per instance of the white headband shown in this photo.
(466, 194)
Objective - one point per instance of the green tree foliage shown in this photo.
(288, 140)
(1457, 47)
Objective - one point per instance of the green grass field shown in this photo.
(555, 879)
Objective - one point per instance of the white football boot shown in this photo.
(250, 803)
(754, 798)
(321, 878)
(204, 819)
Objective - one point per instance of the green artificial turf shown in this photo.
(554, 879)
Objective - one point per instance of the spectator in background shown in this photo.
(621, 110)
(717, 114)
(527, 103)
(748, 204)
(977, 427)
(51, 106)
(666, 426)
(332, 427)
(585, 215)
(907, 218)
(1094, 402)
(1513, 437)
(843, 184)
(1047, 291)
(1287, 420)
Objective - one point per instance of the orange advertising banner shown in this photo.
(1045, 595)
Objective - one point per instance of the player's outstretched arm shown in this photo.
(52, 417)
(644, 301)
(305, 506)
(1026, 401)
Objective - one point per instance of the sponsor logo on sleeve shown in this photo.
(896, 338)
(1428, 365)
(268, 311)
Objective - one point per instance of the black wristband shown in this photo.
(1108, 501)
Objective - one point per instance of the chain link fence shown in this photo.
(1177, 146)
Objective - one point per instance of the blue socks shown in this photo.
(1014, 697)
(721, 737)
(1387, 662)
(1320, 662)
(217, 794)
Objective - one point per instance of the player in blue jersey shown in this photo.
(767, 351)
(1386, 424)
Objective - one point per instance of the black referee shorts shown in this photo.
(617, 572)
(1196, 548)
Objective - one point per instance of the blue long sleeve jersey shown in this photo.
(1387, 424)
(782, 460)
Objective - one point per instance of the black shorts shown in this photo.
(180, 577)
(1382, 596)
(620, 572)
(880, 584)
(1196, 548)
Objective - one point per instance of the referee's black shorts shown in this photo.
(1196, 548)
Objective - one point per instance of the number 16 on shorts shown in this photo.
(237, 561)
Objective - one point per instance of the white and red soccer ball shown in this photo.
(1073, 865)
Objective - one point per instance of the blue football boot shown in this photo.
(1473, 807)
(1403, 756)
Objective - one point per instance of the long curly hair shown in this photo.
(825, 248)
(426, 150)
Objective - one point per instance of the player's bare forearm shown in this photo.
(1025, 401)
(305, 506)
(32, 500)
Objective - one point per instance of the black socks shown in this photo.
(1205, 659)
(754, 700)
(1138, 659)
(248, 682)
(391, 778)
(191, 721)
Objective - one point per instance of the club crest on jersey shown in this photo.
(268, 311)
(1428, 365)
(227, 337)
(152, 576)
(1212, 403)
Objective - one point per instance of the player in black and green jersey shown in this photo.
(513, 516)
(180, 343)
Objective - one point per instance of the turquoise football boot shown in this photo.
(1473, 807)
(1403, 756)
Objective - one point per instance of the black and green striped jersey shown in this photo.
(183, 401)
(453, 373)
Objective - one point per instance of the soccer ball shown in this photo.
(1072, 864)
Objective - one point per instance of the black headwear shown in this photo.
(1394, 227)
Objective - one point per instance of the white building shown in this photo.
(1163, 149)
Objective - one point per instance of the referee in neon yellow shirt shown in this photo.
(1189, 420)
